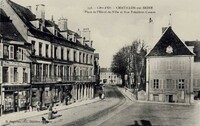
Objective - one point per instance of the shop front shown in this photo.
(15, 98)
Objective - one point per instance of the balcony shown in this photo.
(36, 79)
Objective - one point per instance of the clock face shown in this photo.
(169, 50)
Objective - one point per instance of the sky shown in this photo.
(112, 31)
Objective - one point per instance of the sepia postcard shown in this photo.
(99, 63)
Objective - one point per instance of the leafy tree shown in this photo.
(119, 64)
(131, 59)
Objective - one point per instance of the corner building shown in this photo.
(169, 70)
(62, 61)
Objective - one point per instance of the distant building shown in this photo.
(170, 70)
(108, 77)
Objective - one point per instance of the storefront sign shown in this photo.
(15, 64)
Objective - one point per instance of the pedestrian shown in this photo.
(30, 107)
(38, 106)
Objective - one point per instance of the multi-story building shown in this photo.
(14, 67)
(108, 77)
(62, 61)
(195, 47)
(169, 72)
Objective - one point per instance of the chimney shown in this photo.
(91, 44)
(40, 11)
(29, 7)
(86, 34)
(164, 29)
(62, 24)
(79, 32)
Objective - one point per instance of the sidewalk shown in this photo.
(128, 93)
(21, 115)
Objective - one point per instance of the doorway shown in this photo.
(170, 98)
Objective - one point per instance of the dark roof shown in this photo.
(3, 16)
(26, 15)
(196, 50)
(7, 29)
(169, 38)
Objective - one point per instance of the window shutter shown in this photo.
(160, 84)
(186, 84)
(1, 74)
(164, 84)
(20, 73)
(11, 72)
(177, 84)
(173, 84)
(1, 50)
(151, 84)
(11, 50)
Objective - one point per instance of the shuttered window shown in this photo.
(1, 74)
(11, 74)
(11, 49)
(1, 50)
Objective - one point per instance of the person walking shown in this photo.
(38, 106)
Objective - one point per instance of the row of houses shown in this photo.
(41, 61)
(172, 69)
(108, 77)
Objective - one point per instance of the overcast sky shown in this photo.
(110, 32)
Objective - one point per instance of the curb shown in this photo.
(57, 107)
(148, 102)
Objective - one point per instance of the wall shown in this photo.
(174, 68)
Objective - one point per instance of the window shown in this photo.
(91, 60)
(86, 58)
(55, 70)
(169, 65)
(181, 84)
(45, 70)
(74, 55)
(80, 57)
(83, 58)
(5, 51)
(25, 76)
(15, 75)
(170, 84)
(19, 54)
(11, 52)
(33, 47)
(61, 71)
(55, 51)
(47, 50)
(40, 49)
(62, 53)
(155, 83)
(5, 74)
(68, 54)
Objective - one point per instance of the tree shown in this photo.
(119, 64)
(130, 59)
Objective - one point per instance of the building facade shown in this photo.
(14, 67)
(61, 61)
(195, 47)
(108, 77)
(169, 70)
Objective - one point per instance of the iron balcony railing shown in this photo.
(36, 79)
